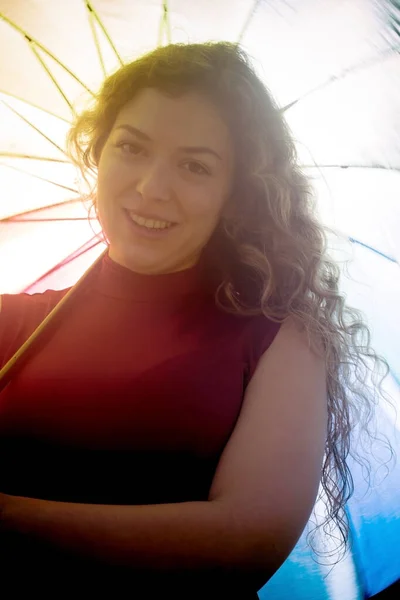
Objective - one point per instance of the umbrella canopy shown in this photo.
(333, 67)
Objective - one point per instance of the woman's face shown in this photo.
(167, 160)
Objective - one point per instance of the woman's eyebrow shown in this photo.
(188, 149)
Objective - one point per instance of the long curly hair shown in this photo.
(270, 248)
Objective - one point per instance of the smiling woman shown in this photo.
(161, 164)
(207, 374)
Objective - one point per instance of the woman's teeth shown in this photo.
(149, 223)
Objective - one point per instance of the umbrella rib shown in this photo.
(30, 156)
(54, 220)
(321, 166)
(96, 42)
(167, 20)
(32, 40)
(391, 258)
(14, 217)
(350, 70)
(64, 187)
(82, 250)
(73, 256)
(91, 10)
(33, 126)
(53, 79)
(44, 110)
(164, 24)
(250, 16)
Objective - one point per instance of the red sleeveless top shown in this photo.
(131, 400)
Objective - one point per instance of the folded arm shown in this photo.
(260, 500)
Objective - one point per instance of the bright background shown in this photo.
(334, 66)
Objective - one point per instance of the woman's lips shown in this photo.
(147, 232)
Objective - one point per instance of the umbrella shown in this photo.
(333, 67)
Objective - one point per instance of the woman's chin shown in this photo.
(139, 260)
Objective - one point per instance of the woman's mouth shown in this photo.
(148, 227)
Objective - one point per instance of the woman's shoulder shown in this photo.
(258, 334)
(25, 303)
(21, 314)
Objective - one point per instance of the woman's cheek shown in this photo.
(120, 170)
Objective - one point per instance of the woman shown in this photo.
(171, 434)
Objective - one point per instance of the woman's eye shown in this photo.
(196, 168)
(129, 148)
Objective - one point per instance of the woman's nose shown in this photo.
(155, 182)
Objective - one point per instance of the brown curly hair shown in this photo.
(270, 248)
